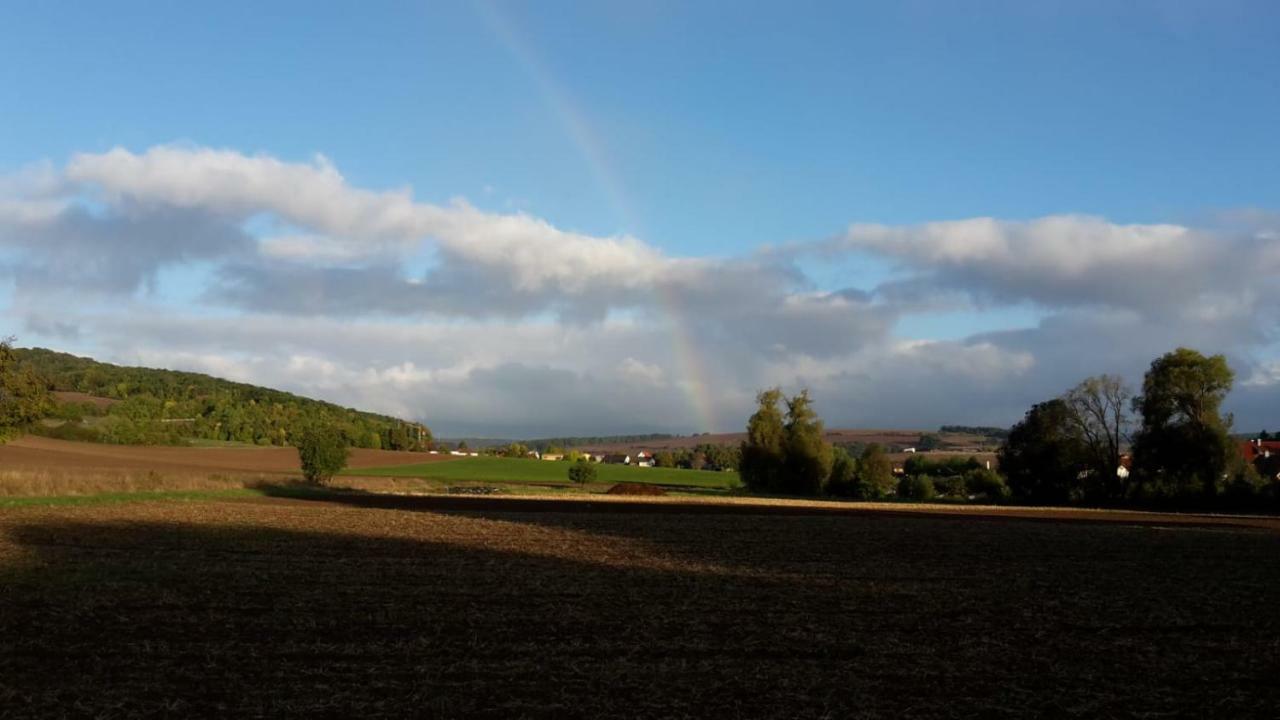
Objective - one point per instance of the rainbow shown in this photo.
(694, 379)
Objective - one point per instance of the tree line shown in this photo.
(1100, 443)
(1072, 449)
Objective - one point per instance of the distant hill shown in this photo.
(102, 402)
(893, 440)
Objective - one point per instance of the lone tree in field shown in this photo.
(323, 454)
(24, 397)
(582, 472)
(1183, 444)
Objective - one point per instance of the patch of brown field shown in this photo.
(32, 452)
(65, 396)
(274, 607)
(46, 482)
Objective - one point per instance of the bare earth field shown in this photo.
(31, 452)
(483, 607)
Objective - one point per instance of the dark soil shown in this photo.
(476, 608)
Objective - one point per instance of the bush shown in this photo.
(323, 453)
(916, 487)
(582, 472)
(951, 486)
(986, 484)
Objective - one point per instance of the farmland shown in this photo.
(513, 470)
(495, 608)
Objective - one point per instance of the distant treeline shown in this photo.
(171, 407)
(986, 431)
(588, 440)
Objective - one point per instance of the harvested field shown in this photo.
(482, 607)
(49, 454)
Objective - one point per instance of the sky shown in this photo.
(521, 219)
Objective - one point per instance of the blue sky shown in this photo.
(712, 131)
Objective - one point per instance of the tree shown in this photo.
(844, 474)
(323, 454)
(1183, 445)
(582, 472)
(764, 450)
(664, 459)
(929, 441)
(916, 487)
(1099, 408)
(808, 454)
(875, 472)
(1043, 455)
(24, 396)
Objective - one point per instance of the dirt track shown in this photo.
(46, 454)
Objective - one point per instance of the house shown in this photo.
(644, 459)
(552, 456)
(616, 459)
(1126, 466)
(1252, 450)
(908, 450)
(594, 457)
(474, 454)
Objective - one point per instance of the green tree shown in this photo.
(664, 459)
(875, 472)
(916, 487)
(844, 474)
(764, 451)
(1184, 445)
(582, 472)
(808, 454)
(323, 454)
(1043, 455)
(24, 396)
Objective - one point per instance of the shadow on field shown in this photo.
(272, 608)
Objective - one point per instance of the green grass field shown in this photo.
(511, 470)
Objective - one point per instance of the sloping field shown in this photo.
(514, 470)
(32, 452)
(272, 607)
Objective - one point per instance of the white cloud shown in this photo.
(504, 323)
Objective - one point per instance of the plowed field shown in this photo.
(513, 609)
(49, 454)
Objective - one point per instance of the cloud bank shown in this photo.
(286, 274)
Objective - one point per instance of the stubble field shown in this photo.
(499, 608)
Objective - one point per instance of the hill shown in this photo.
(101, 402)
(894, 440)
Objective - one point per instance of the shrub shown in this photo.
(986, 484)
(916, 487)
(323, 453)
(951, 486)
(582, 472)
